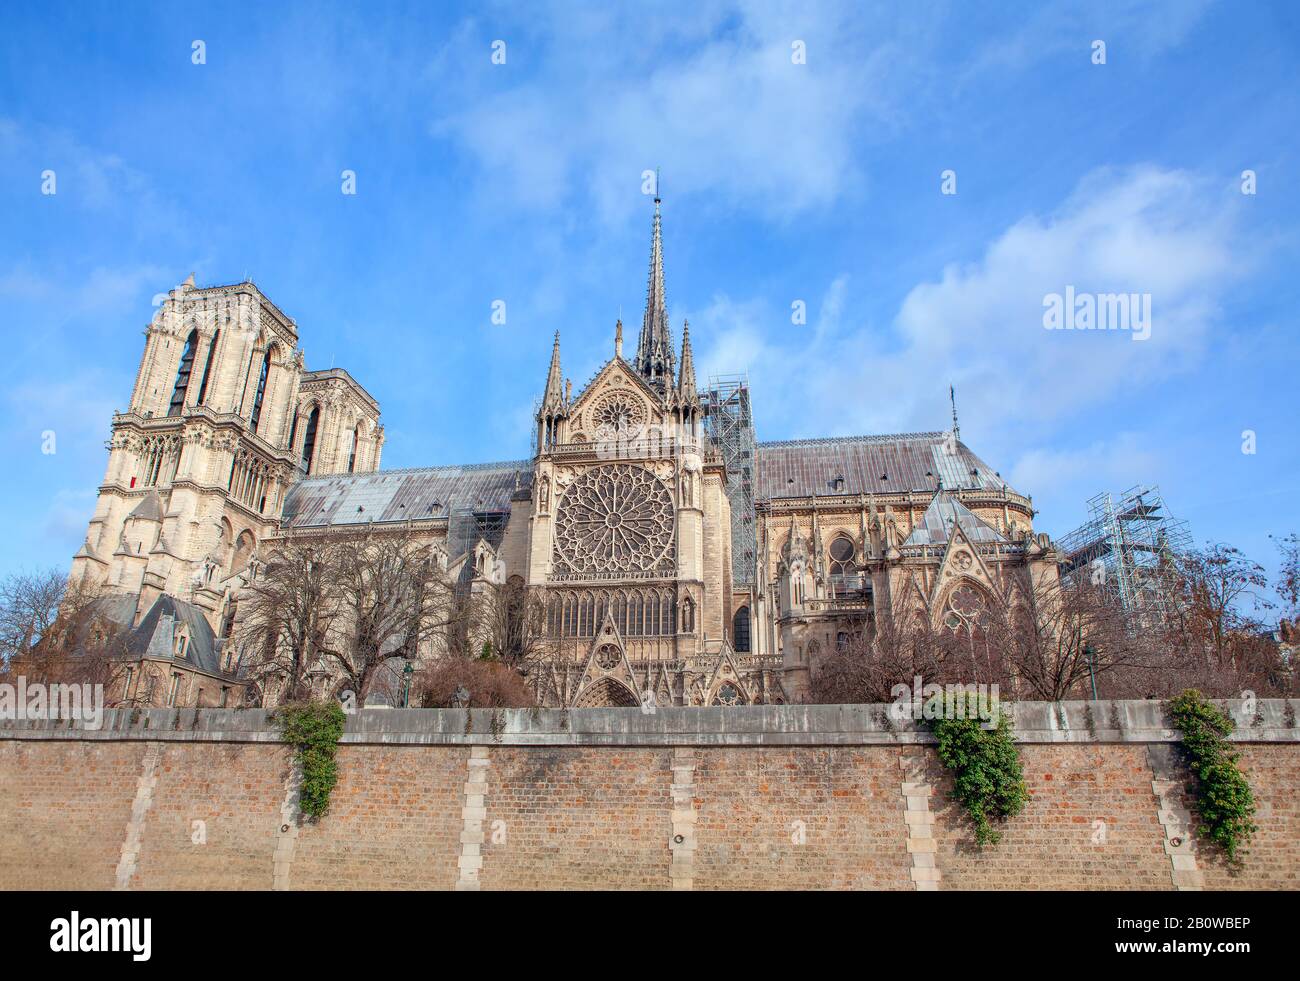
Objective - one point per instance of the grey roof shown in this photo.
(402, 495)
(118, 607)
(936, 524)
(149, 508)
(868, 465)
(200, 651)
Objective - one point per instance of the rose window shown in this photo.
(618, 412)
(728, 694)
(614, 519)
(607, 657)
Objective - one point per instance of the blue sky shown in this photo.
(782, 182)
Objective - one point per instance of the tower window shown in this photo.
(261, 390)
(207, 368)
(309, 440)
(352, 455)
(183, 375)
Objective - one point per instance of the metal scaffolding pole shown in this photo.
(729, 425)
(1128, 547)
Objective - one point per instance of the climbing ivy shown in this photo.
(987, 777)
(1224, 799)
(313, 730)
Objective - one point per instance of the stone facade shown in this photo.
(621, 520)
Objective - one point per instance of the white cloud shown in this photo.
(979, 325)
(1118, 462)
(715, 100)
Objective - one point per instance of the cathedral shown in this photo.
(679, 560)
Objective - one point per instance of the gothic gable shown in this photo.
(608, 679)
(617, 397)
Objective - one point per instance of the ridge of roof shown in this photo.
(502, 465)
(833, 440)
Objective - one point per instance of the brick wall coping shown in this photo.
(760, 725)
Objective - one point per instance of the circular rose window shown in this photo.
(614, 519)
(617, 412)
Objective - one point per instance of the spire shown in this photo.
(686, 387)
(956, 429)
(654, 348)
(554, 391)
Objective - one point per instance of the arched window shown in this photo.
(183, 375)
(844, 573)
(244, 547)
(293, 431)
(352, 454)
(967, 611)
(261, 390)
(207, 369)
(740, 630)
(309, 440)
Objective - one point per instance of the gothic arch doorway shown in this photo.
(607, 693)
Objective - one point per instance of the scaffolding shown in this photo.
(1128, 547)
(729, 426)
(465, 526)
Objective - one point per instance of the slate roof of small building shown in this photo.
(868, 465)
(200, 651)
(403, 495)
(935, 526)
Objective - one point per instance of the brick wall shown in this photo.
(793, 798)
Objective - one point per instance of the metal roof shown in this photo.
(868, 465)
(944, 511)
(404, 495)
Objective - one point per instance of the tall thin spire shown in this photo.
(654, 349)
(554, 394)
(686, 387)
(956, 429)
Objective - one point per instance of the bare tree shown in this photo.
(512, 620)
(394, 599)
(29, 605)
(290, 609)
(52, 630)
(1288, 582)
(1215, 582)
(1066, 637)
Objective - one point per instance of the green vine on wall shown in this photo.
(1224, 800)
(988, 780)
(313, 730)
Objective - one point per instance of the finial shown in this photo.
(657, 196)
(956, 429)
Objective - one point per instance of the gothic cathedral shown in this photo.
(679, 561)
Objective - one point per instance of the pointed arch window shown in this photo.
(207, 369)
(262, 375)
(352, 454)
(183, 375)
(309, 440)
(740, 630)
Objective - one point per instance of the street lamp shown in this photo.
(1091, 654)
(406, 684)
